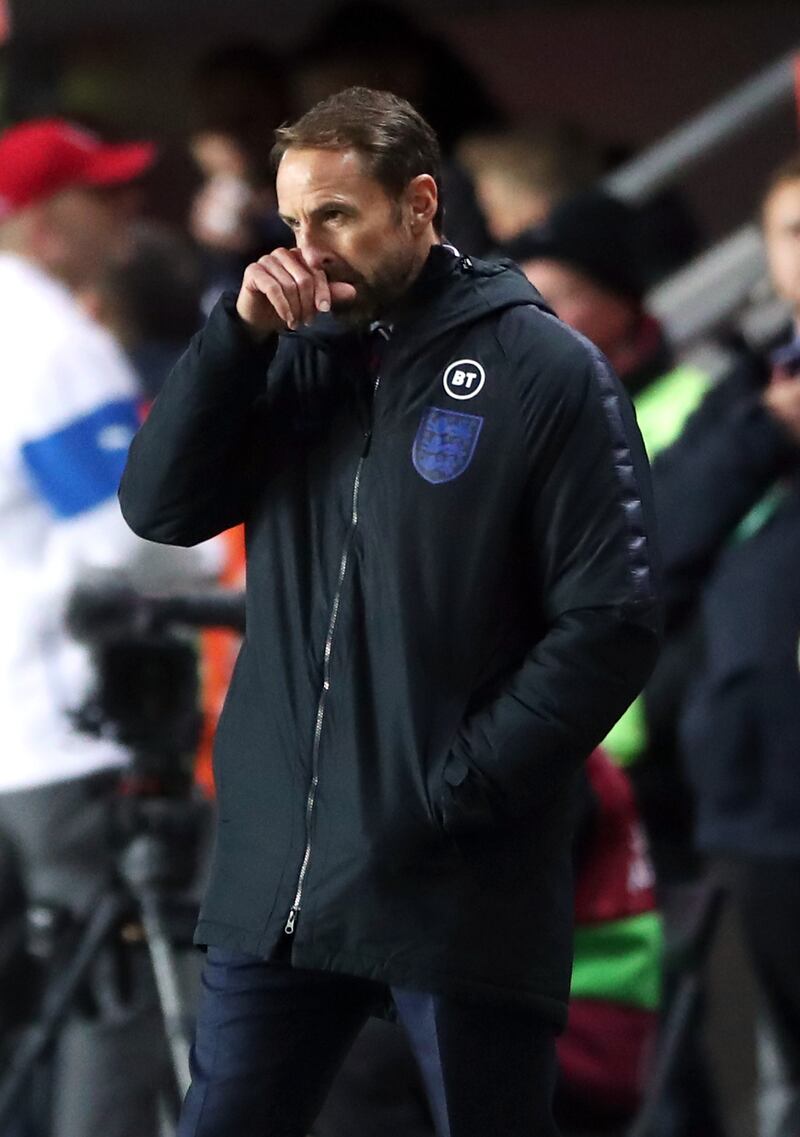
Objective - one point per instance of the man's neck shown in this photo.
(41, 265)
(386, 312)
(431, 241)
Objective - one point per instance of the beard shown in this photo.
(379, 291)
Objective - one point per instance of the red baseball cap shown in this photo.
(42, 157)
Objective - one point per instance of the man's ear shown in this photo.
(422, 199)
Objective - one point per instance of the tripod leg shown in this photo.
(165, 970)
(680, 1015)
(57, 1001)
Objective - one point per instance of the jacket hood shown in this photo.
(476, 289)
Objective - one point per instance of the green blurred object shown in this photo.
(620, 961)
(663, 407)
(760, 514)
(627, 739)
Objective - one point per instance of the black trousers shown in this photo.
(767, 893)
(270, 1039)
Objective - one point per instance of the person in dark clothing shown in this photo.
(586, 259)
(728, 494)
(586, 262)
(603, 1054)
(451, 598)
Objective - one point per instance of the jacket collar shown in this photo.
(450, 291)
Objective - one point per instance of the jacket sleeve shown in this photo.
(727, 459)
(186, 478)
(589, 533)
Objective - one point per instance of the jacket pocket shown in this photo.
(467, 803)
(437, 756)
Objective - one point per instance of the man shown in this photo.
(587, 260)
(521, 175)
(603, 1052)
(728, 493)
(450, 600)
(587, 263)
(70, 408)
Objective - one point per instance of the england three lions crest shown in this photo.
(445, 444)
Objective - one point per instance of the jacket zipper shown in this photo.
(326, 679)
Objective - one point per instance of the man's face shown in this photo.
(782, 236)
(85, 230)
(347, 225)
(596, 313)
(218, 155)
(508, 206)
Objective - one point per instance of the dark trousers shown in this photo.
(270, 1039)
(767, 893)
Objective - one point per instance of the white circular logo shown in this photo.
(463, 379)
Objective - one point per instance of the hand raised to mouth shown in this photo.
(280, 291)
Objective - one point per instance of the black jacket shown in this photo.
(449, 601)
(741, 723)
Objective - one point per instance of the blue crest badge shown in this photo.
(445, 444)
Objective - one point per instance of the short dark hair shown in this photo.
(788, 171)
(396, 142)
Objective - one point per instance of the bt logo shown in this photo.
(464, 378)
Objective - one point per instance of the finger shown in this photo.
(303, 278)
(259, 280)
(288, 282)
(343, 292)
(322, 290)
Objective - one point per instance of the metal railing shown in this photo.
(726, 283)
(715, 284)
(725, 288)
(695, 141)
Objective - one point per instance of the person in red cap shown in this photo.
(70, 408)
(60, 199)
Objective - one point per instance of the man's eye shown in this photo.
(334, 215)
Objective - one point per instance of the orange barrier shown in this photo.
(218, 651)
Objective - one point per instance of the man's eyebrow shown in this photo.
(333, 205)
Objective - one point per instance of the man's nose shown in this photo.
(315, 254)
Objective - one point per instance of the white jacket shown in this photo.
(68, 411)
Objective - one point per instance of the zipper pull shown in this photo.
(289, 929)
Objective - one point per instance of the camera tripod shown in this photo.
(147, 698)
(146, 904)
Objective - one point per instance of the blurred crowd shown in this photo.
(694, 798)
